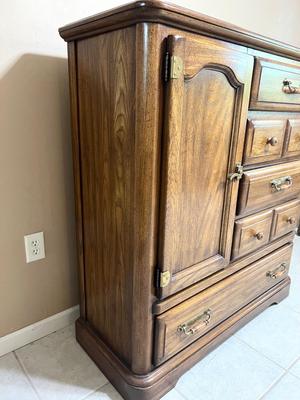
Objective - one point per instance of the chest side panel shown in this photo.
(106, 89)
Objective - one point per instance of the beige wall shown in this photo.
(35, 156)
(277, 19)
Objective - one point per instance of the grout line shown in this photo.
(275, 383)
(293, 363)
(268, 358)
(95, 390)
(27, 375)
(262, 355)
(180, 394)
(291, 366)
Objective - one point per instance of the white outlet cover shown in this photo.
(34, 247)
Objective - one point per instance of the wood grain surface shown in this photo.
(155, 161)
(257, 192)
(221, 300)
(106, 113)
(267, 93)
(251, 233)
(203, 139)
(286, 218)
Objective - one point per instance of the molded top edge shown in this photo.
(177, 16)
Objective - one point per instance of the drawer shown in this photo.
(268, 186)
(276, 86)
(251, 233)
(292, 141)
(180, 326)
(286, 218)
(271, 136)
(264, 140)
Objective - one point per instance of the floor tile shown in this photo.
(232, 372)
(173, 395)
(58, 367)
(293, 301)
(13, 382)
(106, 392)
(295, 370)
(275, 334)
(288, 388)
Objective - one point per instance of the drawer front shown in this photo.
(264, 140)
(183, 324)
(292, 145)
(286, 218)
(276, 86)
(251, 233)
(265, 187)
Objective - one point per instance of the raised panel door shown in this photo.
(205, 115)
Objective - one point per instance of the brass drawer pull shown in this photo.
(291, 220)
(259, 235)
(191, 327)
(272, 141)
(282, 183)
(288, 88)
(281, 270)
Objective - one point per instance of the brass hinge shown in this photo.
(173, 67)
(163, 278)
(237, 175)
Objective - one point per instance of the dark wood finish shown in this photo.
(192, 193)
(115, 165)
(159, 114)
(72, 60)
(203, 312)
(107, 213)
(173, 16)
(257, 192)
(271, 138)
(158, 382)
(148, 101)
(268, 89)
(163, 305)
(286, 218)
(251, 233)
(292, 144)
(264, 140)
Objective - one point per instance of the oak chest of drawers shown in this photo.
(186, 147)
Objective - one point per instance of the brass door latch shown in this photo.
(237, 175)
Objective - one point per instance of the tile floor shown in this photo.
(260, 362)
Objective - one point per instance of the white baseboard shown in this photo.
(33, 332)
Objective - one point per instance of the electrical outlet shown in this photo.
(34, 247)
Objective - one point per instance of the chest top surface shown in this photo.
(174, 16)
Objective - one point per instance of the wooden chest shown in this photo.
(186, 145)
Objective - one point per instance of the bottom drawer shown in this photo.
(180, 326)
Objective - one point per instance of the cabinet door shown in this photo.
(207, 97)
